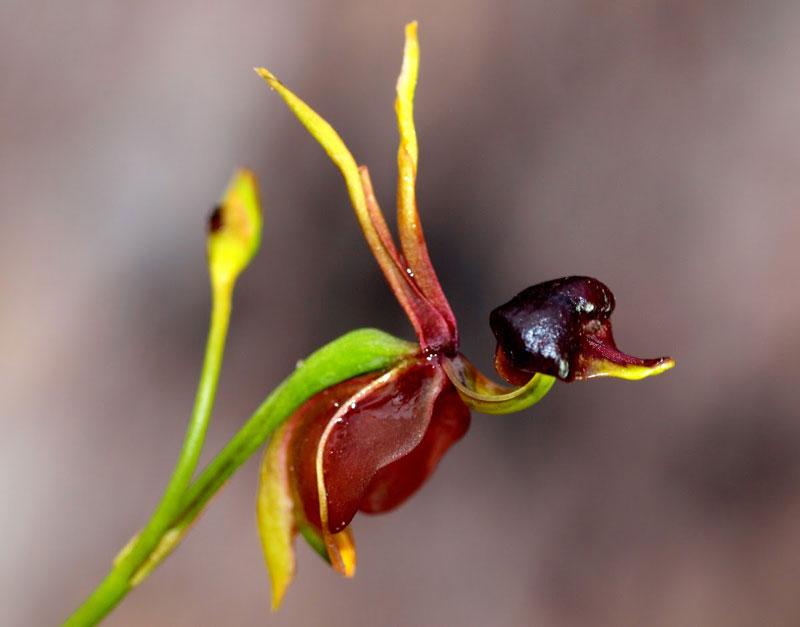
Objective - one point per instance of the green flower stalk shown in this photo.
(362, 423)
(233, 239)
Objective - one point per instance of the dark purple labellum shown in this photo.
(545, 327)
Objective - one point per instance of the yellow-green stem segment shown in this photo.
(119, 580)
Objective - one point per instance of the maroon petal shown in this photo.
(310, 421)
(380, 424)
(424, 304)
(395, 483)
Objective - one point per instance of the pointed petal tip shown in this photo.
(629, 371)
(600, 357)
(277, 598)
(275, 514)
(349, 561)
(342, 552)
(268, 76)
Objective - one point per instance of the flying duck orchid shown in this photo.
(368, 443)
(363, 421)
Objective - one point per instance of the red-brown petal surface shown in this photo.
(415, 250)
(378, 221)
(395, 483)
(435, 331)
(379, 425)
(311, 419)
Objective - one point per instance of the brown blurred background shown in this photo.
(653, 144)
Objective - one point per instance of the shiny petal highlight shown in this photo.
(563, 328)
(378, 425)
(393, 484)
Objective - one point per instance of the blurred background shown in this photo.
(653, 144)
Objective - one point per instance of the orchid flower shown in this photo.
(368, 443)
(363, 422)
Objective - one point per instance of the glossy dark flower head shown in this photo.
(563, 328)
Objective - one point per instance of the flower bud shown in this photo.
(234, 229)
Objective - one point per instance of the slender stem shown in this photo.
(353, 354)
(118, 581)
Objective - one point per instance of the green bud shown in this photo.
(234, 229)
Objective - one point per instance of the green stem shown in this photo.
(355, 353)
(118, 581)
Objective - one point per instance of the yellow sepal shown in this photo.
(275, 510)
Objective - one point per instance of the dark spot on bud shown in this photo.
(215, 220)
(546, 327)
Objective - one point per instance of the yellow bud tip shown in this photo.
(234, 228)
(267, 76)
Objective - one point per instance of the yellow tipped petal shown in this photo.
(330, 141)
(342, 551)
(336, 149)
(632, 372)
(275, 511)
(412, 239)
(234, 229)
(333, 145)
(406, 85)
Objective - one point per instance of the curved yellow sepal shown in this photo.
(333, 145)
(234, 229)
(275, 513)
